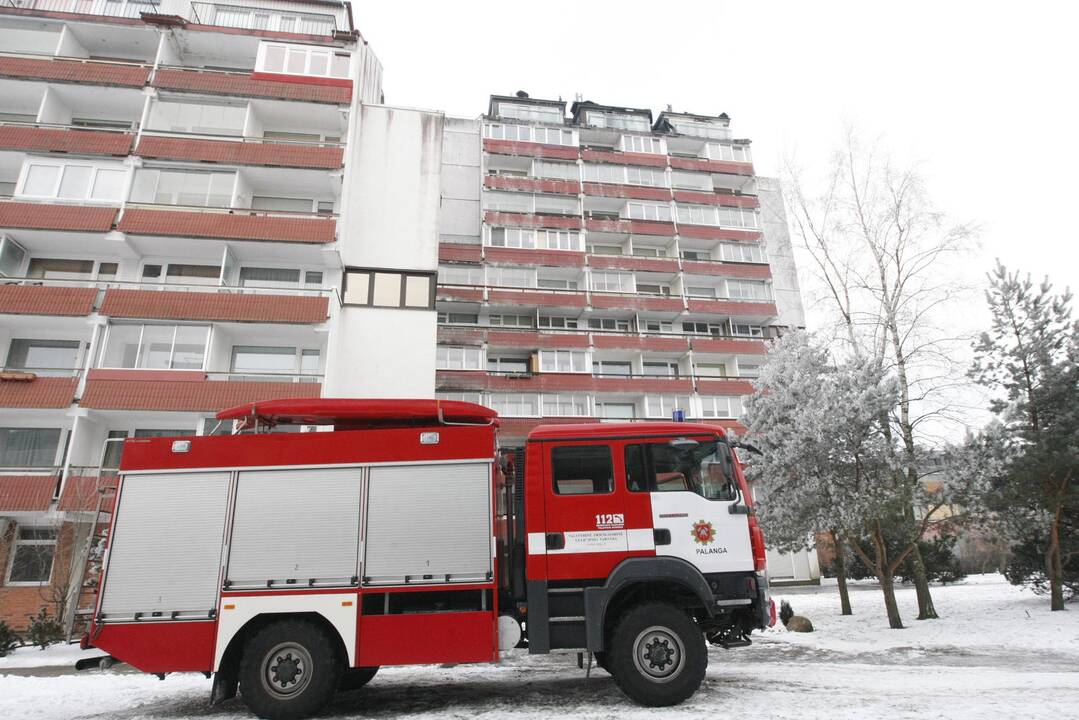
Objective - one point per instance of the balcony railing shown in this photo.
(631, 332)
(107, 283)
(251, 18)
(110, 8)
(265, 377)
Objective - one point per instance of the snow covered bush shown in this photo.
(44, 630)
(8, 639)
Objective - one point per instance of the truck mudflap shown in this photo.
(765, 604)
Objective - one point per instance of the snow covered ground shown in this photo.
(997, 653)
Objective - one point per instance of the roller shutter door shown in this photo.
(295, 527)
(165, 551)
(428, 523)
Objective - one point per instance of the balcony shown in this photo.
(628, 227)
(73, 70)
(717, 268)
(726, 199)
(460, 252)
(42, 137)
(516, 256)
(559, 382)
(635, 192)
(37, 388)
(227, 223)
(565, 222)
(529, 149)
(537, 340)
(225, 304)
(189, 391)
(527, 184)
(728, 345)
(240, 151)
(55, 216)
(244, 84)
(634, 301)
(744, 309)
(624, 158)
(724, 386)
(131, 9)
(651, 343)
(30, 297)
(525, 297)
(630, 262)
(244, 17)
(724, 167)
(27, 489)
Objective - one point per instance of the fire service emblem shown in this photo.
(703, 532)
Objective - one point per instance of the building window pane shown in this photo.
(357, 288)
(256, 359)
(42, 354)
(32, 560)
(190, 348)
(340, 65)
(75, 181)
(28, 447)
(387, 290)
(417, 291)
(122, 347)
(40, 180)
(108, 185)
(269, 277)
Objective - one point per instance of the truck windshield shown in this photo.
(700, 469)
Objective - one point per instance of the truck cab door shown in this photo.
(698, 513)
(585, 533)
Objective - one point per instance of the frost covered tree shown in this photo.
(1030, 358)
(829, 461)
(878, 245)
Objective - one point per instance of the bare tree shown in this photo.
(881, 251)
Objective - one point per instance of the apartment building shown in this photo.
(190, 194)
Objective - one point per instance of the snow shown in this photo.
(52, 656)
(997, 652)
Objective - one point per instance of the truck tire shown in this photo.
(356, 678)
(657, 655)
(290, 670)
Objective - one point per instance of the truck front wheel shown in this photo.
(290, 670)
(657, 655)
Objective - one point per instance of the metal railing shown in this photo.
(239, 376)
(253, 18)
(44, 372)
(151, 132)
(107, 283)
(110, 8)
(631, 332)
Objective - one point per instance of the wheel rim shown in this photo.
(658, 654)
(286, 670)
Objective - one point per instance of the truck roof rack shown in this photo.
(351, 413)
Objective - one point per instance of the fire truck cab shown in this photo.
(293, 565)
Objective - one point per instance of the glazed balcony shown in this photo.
(630, 227)
(636, 192)
(559, 382)
(245, 17)
(529, 149)
(45, 137)
(240, 150)
(228, 223)
(189, 390)
(40, 388)
(624, 158)
(630, 262)
(638, 301)
(528, 184)
(512, 219)
(718, 268)
(75, 70)
(761, 311)
(517, 256)
(243, 84)
(132, 9)
(728, 345)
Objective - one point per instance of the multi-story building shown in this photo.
(201, 204)
(607, 265)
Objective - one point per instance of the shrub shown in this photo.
(8, 639)
(44, 630)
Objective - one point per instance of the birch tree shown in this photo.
(878, 245)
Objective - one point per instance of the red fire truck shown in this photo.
(294, 564)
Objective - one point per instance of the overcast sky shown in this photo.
(982, 95)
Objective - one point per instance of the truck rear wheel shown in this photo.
(657, 655)
(290, 670)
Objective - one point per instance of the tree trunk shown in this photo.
(887, 586)
(841, 573)
(926, 610)
(1054, 568)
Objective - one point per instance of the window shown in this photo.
(11, 256)
(696, 255)
(74, 182)
(661, 369)
(60, 269)
(701, 291)
(556, 284)
(641, 144)
(470, 397)
(31, 560)
(517, 321)
(283, 204)
(43, 355)
(615, 120)
(682, 180)
(204, 118)
(557, 323)
(458, 358)
(625, 175)
(701, 328)
(654, 289)
(193, 274)
(615, 324)
(269, 277)
(507, 364)
(565, 406)
(515, 404)
(648, 211)
(658, 326)
(748, 290)
(743, 330)
(556, 170)
(458, 318)
(613, 282)
(302, 59)
(728, 151)
(257, 359)
(512, 237)
(700, 128)
(156, 347)
(183, 187)
(537, 113)
(711, 370)
(460, 274)
(520, 277)
(519, 202)
(529, 133)
(388, 288)
(663, 406)
(564, 361)
(700, 468)
(29, 447)
(612, 368)
(743, 252)
(749, 369)
(721, 407)
(582, 470)
(615, 410)
(648, 251)
(604, 249)
(717, 215)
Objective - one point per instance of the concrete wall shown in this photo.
(777, 237)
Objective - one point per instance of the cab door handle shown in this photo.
(661, 536)
(556, 541)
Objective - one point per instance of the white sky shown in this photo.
(981, 95)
